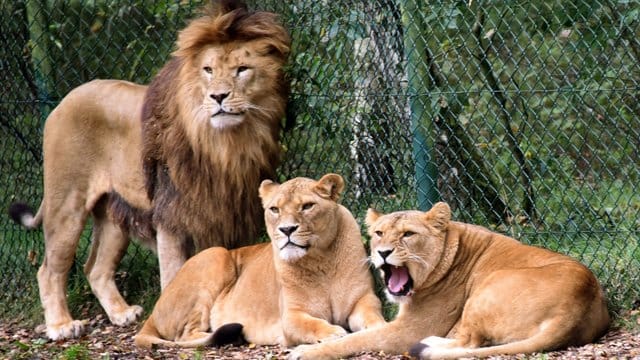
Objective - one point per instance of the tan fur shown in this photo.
(160, 162)
(279, 292)
(488, 293)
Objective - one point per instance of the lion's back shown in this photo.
(93, 135)
(99, 105)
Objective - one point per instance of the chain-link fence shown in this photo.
(523, 115)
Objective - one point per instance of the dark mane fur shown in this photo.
(196, 192)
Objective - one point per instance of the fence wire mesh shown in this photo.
(523, 115)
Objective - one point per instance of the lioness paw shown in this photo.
(304, 352)
(437, 341)
(420, 351)
(126, 317)
(72, 329)
(375, 323)
(336, 332)
(424, 349)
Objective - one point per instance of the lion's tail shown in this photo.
(23, 214)
(422, 351)
(226, 334)
(149, 336)
(537, 343)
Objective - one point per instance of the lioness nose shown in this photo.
(288, 230)
(219, 97)
(384, 253)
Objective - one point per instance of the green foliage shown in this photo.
(75, 352)
(82, 40)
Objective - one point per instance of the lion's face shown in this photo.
(301, 214)
(406, 246)
(234, 82)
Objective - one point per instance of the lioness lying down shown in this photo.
(487, 293)
(307, 285)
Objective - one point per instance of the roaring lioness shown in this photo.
(487, 293)
(307, 285)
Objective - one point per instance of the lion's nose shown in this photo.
(288, 230)
(384, 253)
(219, 97)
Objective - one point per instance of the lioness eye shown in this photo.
(208, 69)
(242, 69)
(378, 233)
(408, 233)
(274, 210)
(307, 206)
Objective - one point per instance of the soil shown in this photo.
(105, 341)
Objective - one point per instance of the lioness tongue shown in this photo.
(399, 277)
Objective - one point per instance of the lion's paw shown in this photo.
(301, 352)
(336, 333)
(72, 329)
(436, 341)
(126, 317)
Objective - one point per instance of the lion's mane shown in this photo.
(203, 181)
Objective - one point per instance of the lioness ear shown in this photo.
(372, 216)
(439, 215)
(266, 187)
(330, 186)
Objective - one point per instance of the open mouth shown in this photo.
(289, 242)
(397, 279)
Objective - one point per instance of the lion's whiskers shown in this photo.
(417, 258)
(366, 261)
(260, 109)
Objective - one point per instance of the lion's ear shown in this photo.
(266, 187)
(330, 186)
(372, 216)
(439, 215)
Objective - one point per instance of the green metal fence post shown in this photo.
(37, 14)
(419, 84)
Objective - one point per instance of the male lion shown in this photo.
(176, 164)
(305, 286)
(488, 293)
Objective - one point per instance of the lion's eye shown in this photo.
(241, 69)
(307, 206)
(408, 233)
(208, 69)
(274, 210)
(378, 233)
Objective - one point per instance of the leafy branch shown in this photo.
(501, 100)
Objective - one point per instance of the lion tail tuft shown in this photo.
(23, 214)
(228, 334)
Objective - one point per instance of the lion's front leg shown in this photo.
(392, 338)
(367, 313)
(302, 328)
(172, 254)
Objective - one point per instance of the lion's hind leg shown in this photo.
(545, 338)
(182, 315)
(109, 244)
(510, 312)
(62, 228)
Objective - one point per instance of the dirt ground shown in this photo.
(105, 341)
